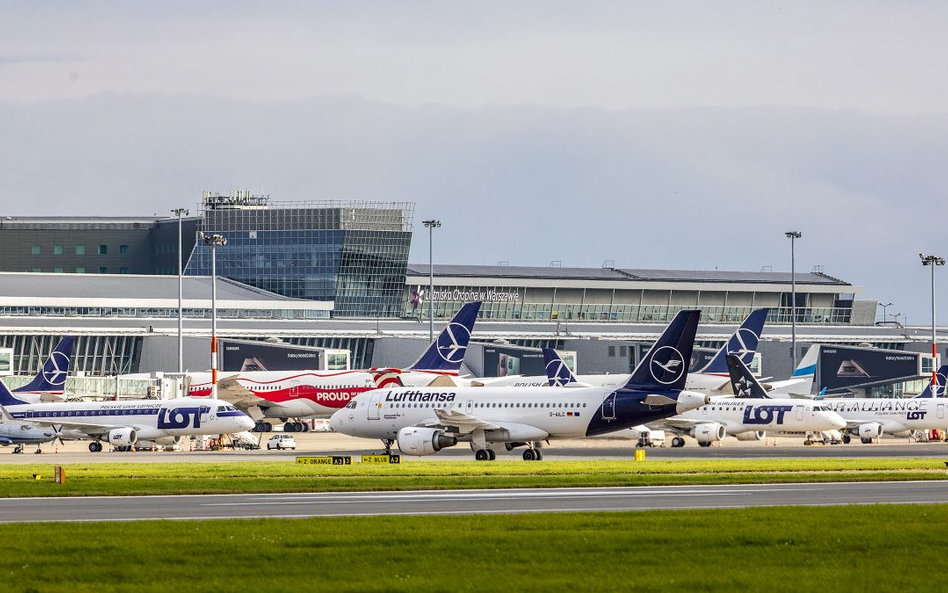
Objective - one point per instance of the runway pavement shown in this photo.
(336, 444)
(298, 505)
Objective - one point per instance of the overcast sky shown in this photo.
(663, 134)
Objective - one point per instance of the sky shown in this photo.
(655, 134)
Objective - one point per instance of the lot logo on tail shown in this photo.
(738, 345)
(667, 365)
(449, 343)
(53, 371)
(558, 373)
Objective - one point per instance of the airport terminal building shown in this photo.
(335, 276)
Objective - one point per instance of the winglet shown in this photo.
(557, 371)
(743, 382)
(743, 343)
(4, 415)
(446, 353)
(665, 367)
(52, 377)
(939, 387)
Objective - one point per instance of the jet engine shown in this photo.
(414, 440)
(689, 400)
(708, 433)
(871, 430)
(123, 437)
(750, 435)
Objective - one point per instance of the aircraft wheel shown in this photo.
(304, 427)
(289, 427)
(491, 454)
(866, 441)
(18, 449)
(529, 455)
(846, 439)
(38, 452)
(539, 454)
(481, 455)
(267, 427)
(678, 442)
(703, 444)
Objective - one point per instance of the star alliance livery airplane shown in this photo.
(498, 419)
(122, 423)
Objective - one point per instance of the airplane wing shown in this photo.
(459, 422)
(230, 390)
(90, 428)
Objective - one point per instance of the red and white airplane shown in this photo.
(286, 395)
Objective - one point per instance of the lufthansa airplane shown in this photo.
(870, 418)
(498, 419)
(317, 394)
(122, 423)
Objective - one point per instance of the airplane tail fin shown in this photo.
(936, 389)
(743, 381)
(665, 367)
(557, 372)
(6, 398)
(743, 343)
(446, 353)
(4, 415)
(52, 377)
(806, 370)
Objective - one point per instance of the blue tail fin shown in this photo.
(52, 377)
(446, 353)
(557, 372)
(665, 367)
(936, 389)
(6, 398)
(743, 343)
(743, 382)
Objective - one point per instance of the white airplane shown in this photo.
(870, 418)
(498, 419)
(122, 423)
(711, 379)
(317, 394)
(14, 432)
(747, 415)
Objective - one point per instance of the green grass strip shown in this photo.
(871, 548)
(258, 477)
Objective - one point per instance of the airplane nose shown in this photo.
(335, 421)
(838, 422)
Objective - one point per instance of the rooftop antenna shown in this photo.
(556, 263)
(609, 264)
(766, 268)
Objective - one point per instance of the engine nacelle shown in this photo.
(690, 400)
(709, 432)
(750, 435)
(871, 430)
(123, 437)
(413, 440)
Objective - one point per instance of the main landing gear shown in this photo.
(387, 443)
(95, 447)
(263, 426)
(18, 449)
(532, 455)
(678, 442)
(295, 427)
(485, 455)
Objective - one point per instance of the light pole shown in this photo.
(933, 260)
(179, 212)
(214, 241)
(885, 318)
(431, 224)
(793, 236)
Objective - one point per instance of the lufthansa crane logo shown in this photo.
(558, 373)
(449, 343)
(53, 372)
(667, 365)
(742, 343)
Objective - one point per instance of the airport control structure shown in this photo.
(328, 285)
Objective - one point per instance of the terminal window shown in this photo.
(123, 270)
(57, 270)
(80, 249)
(103, 249)
(57, 249)
(37, 269)
(80, 270)
(123, 249)
(37, 250)
(103, 270)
